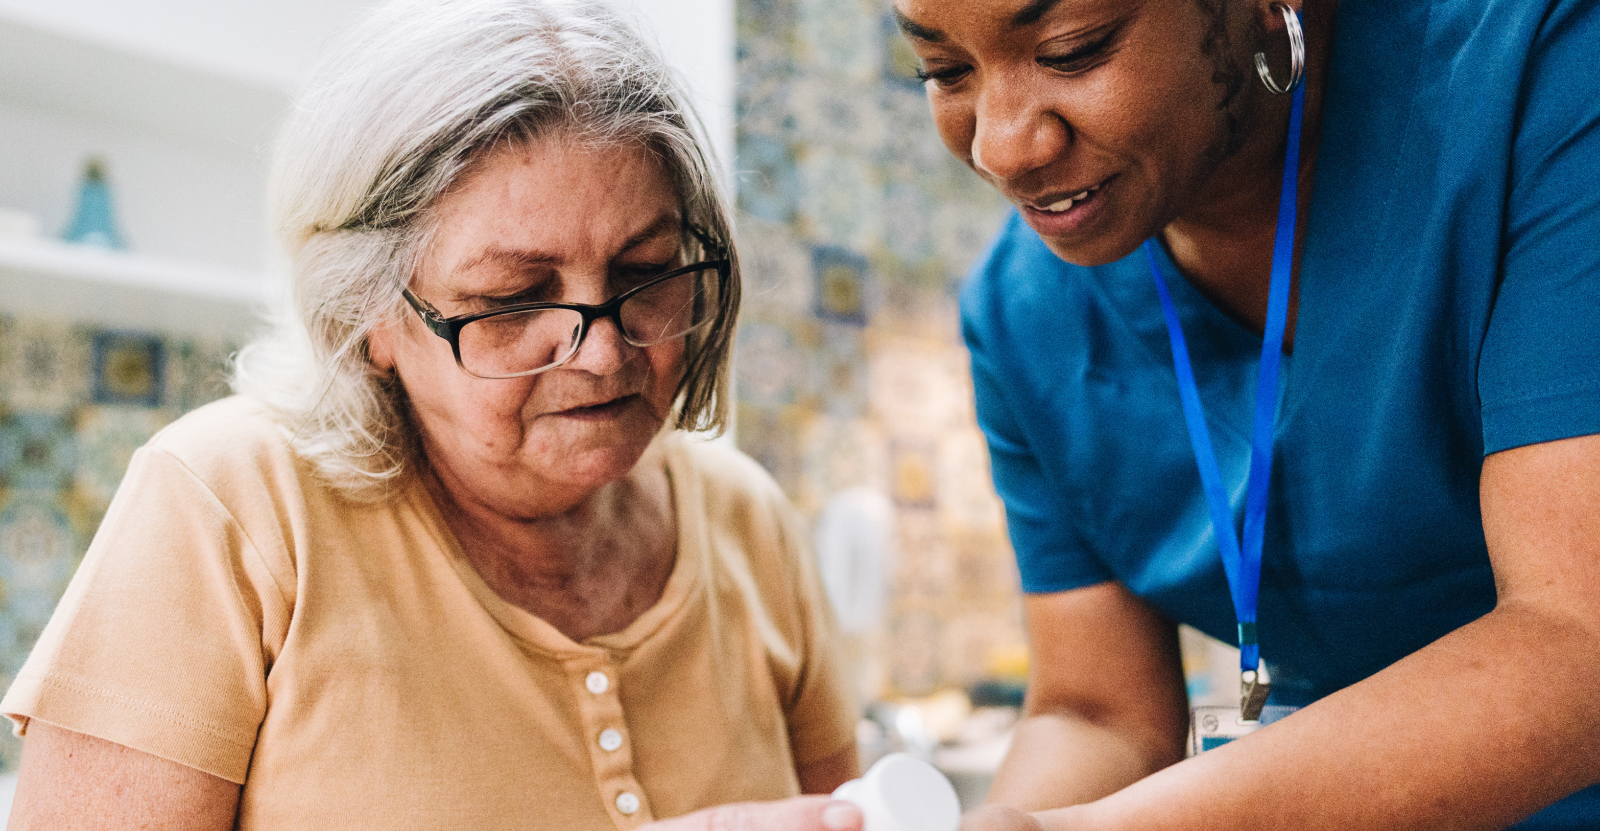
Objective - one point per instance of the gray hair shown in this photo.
(403, 106)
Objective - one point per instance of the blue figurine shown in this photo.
(93, 224)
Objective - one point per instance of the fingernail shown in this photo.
(841, 816)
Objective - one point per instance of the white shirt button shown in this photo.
(627, 803)
(597, 682)
(610, 740)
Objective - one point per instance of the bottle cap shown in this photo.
(903, 793)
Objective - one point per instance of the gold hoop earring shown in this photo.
(1297, 54)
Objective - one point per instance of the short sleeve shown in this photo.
(1539, 377)
(158, 643)
(1049, 553)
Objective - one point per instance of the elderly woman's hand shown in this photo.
(804, 813)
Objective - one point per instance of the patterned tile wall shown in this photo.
(856, 227)
(75, 402)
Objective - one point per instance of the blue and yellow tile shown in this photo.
(129, 368)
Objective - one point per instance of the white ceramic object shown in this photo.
(903, 793)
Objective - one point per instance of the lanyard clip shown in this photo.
(1254, 686)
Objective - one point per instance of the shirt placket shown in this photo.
(595, 682)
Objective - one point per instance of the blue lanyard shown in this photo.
(1243, 562)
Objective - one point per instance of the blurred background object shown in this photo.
(856, 228)
(94, 222)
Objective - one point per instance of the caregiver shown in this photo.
(1408, 343)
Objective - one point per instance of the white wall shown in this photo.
(182, 98)
(274, 42)
(697, 39)
(266, 42)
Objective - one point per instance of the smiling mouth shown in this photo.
(1061, 206)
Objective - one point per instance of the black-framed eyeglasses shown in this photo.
(529, 338)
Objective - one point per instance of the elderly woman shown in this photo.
(450, 560)
(1350, 245)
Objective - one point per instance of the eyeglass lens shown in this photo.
(521, 343)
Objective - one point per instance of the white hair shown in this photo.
(404, 104)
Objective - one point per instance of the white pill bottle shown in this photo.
(903, 793)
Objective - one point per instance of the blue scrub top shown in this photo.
(1449, 307)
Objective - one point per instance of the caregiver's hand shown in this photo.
(803, 813)
(1000, 818)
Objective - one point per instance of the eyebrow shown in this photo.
(1031, 13)
(913, 29)
(529, 260)
(1027, 16)
(665, 225)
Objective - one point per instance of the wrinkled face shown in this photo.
(549, 221)
(1101, 120)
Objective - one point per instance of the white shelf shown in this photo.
(44, 277)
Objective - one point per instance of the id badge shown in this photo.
(1213, 727)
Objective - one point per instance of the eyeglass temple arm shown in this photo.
(715, 248)
(431, 317)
